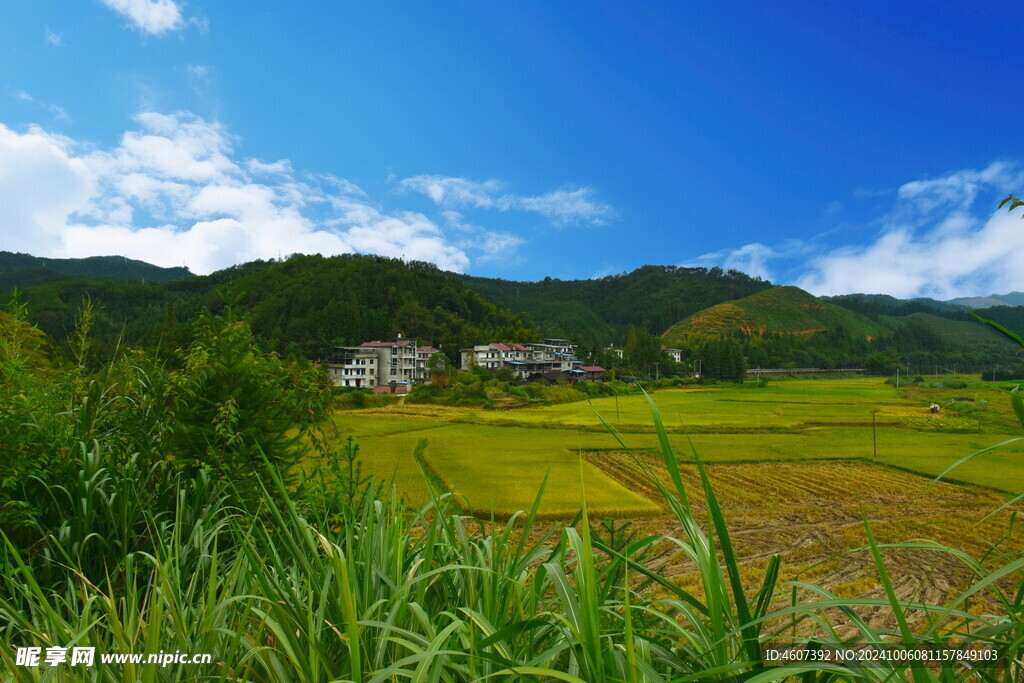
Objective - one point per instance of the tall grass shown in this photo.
(129, 554)
(374, 592)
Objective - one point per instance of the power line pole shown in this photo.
(874, 433)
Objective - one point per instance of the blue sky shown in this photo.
(838, 146)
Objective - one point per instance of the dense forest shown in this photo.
(298, 306)
(724, 321)
(24, 270)
(652, 298)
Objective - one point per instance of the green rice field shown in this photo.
(495, 460)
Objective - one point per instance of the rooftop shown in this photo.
(379, 344)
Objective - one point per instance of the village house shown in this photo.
(352, 366)
(674, 354)
(618, 353)
(524, 360)
(376, 364)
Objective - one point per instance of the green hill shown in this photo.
(24, 270)
(954, 334)
(299, 305)
(651, 298)
(780, 310)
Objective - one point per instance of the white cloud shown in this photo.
(448, 191)
(281, 167)
(149, 16)
(936, 241)
(561, 207)
(751, 259)
(407, 235)
(199, 76)
(40, 184)
(52, 38)
(173, 192)
(175, 147)
(493, 245)
(58, 112)
(942, 237)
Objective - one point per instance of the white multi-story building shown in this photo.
(377, 363)
(353, 366)
(495, 355)
(523, 359)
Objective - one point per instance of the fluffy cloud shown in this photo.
(493, 245)
(751, 259)
(172, 192)
(941, 238)
(561, 207)
(938, 240)
(407, 235)
(149, 16)
(41, 183)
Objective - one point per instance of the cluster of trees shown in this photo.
(603, 311)
(76, 432)
(297, 307)
(910, 344)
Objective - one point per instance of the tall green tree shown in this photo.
(239, 410)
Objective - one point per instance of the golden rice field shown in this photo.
(797, 466)
(497, 459)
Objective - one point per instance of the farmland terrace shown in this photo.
(798, 465)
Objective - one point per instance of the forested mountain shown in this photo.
(1011, 299)
(882, 304)
(304, 304)
(788, 327)
(652, 298)
(954, 333)
(300, 305)
(24, 270)
(941, 316)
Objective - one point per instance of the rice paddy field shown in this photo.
(797, 465)
(496, 459)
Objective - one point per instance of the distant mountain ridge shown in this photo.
(304, 304)
(24, 270)
(1011, 299)
(859, 300)
(878, 302)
